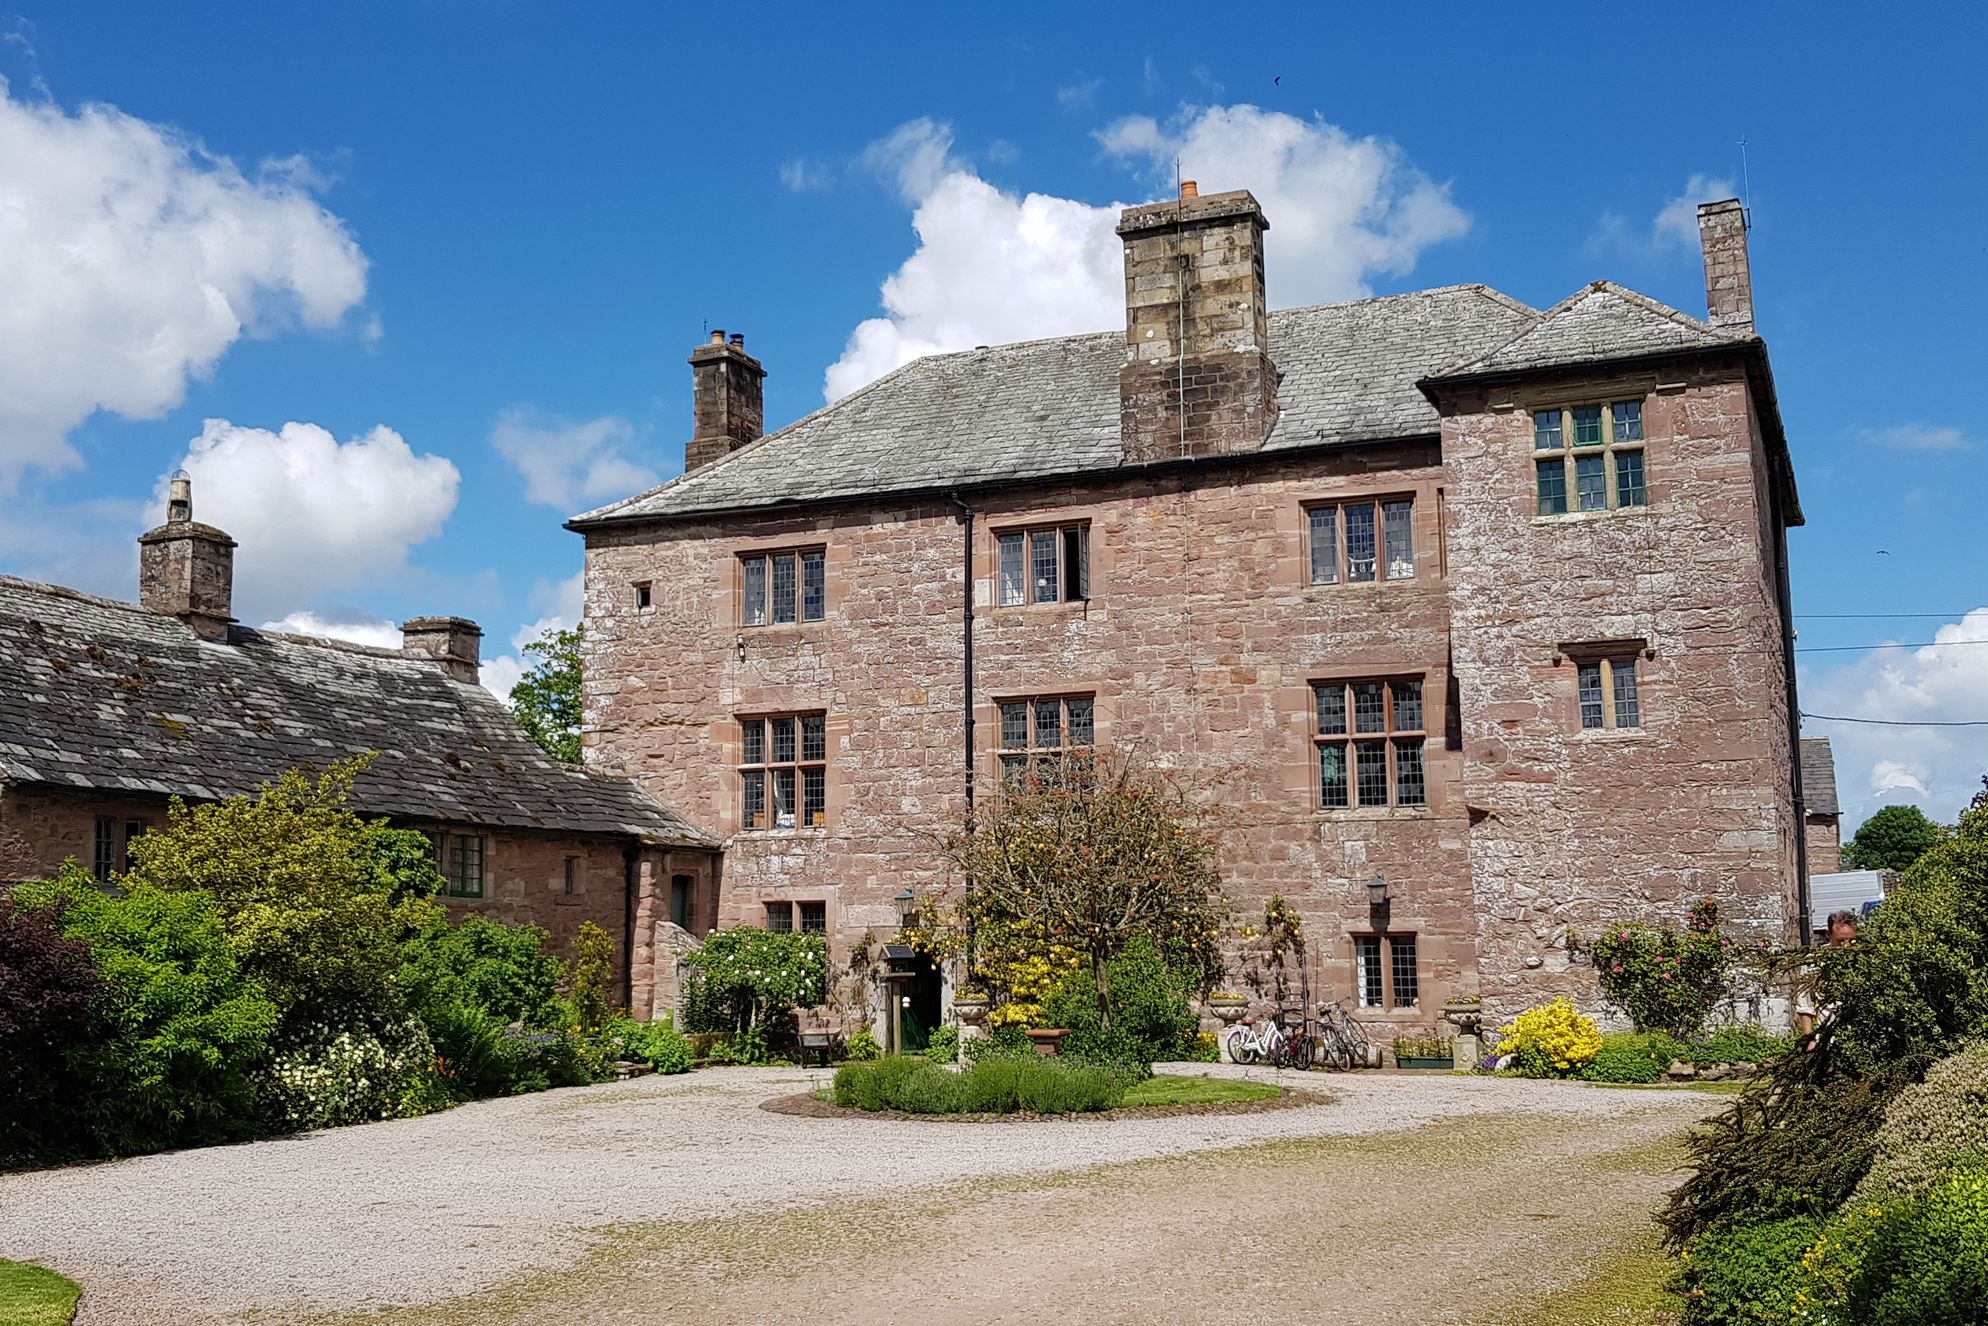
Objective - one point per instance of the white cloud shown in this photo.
(1916, 437)
(1079, 95)
(802, 175)
(568, 463)
(1673, 229)
(311, 513)
(992, 266)
(381, 635)
(1937, 768)
(1676, 225)
(132, 259)
(561, 603)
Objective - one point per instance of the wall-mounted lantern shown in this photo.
(1377, 891)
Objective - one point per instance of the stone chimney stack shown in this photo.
(186, 569)
(727, 400)
(1728, 275)
(1198, 380)
(455, 644)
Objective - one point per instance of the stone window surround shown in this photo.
(1428, 497)
(1301, 703)
(1570, 654)
(726, 749)
(768, 764)
(1432, 953)
(1342, 563)
(1565, 397)
(1022, 517)
(987, 723)
(798, 551)
(1059, 529)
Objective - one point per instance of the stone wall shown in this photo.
(1200, 641)
(1573, 828)
(1825, 840)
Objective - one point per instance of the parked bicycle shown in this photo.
(1343, 1043)
(1264, 1041)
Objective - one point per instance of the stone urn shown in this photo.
(1228, 1008)
(1467, 1014)
(971, 1007)
(1048, 1040)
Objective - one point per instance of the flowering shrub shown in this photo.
(1553, 1040)
(1633, 1056)
(1665, 979)
(744, 976)
(1930, 1126)
(327, 1076)
(1025, 979)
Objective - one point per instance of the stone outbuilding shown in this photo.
(1823, 821)
(109, 709)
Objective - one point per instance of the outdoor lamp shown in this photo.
(907, 896)
(1377, 891)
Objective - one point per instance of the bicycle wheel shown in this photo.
(1241, 1050)
(1301, 1052)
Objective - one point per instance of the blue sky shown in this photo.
(494, 231)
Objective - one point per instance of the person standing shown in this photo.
(1843, 928)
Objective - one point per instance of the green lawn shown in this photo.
(1169, 1090)
(35, 1296)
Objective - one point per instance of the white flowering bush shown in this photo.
(744, 977)
(325, 1076)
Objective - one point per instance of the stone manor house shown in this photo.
(1483, 608)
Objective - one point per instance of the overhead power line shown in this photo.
(1880, 616)
(1899, 722)
(1920, 644)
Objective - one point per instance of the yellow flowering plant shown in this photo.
(1553, 1040)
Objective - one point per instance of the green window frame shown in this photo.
(461, 858)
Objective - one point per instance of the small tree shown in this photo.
(593, 968)
(1893, 839)
(546, 699)
(1099, 854)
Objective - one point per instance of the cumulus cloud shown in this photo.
(568, 463)
(1916, 437)
(132, 259)
(1674, 229)
(993, 266)
(560, 603)
(381, 635)
(1936, 768)
(312, 513)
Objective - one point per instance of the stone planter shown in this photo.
(971, 1012)
(1230, 1011)
(1421, 1061)
(1048, 1040)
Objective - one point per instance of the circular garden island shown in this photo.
(1008, 1085)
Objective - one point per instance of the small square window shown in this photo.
(1628, 418)
(780, 917)
(1587, 425)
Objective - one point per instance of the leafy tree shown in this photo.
(1097, 856)
(317, 902)
(546, 699)
(593, 968)
(180, 1031)
(1893, 839)
(499, 971)
(49, 989)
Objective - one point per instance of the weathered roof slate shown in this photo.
(1044, 408)
(1601, 323)
(1819, 777)
(108, 696)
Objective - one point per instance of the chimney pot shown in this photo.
(738, 340)
(187, 570)
(718, 336)
(1722, 228)
(1189, 189)
(455, 644)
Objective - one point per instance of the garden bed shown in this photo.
(1164, 1096)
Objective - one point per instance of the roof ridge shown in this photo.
(1662, 309)
(65, 592)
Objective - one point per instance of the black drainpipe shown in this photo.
(966, 687)
(630, 878)
(1785, 598)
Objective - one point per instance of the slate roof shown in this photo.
(1042, 408)
(107, 696)
(1352, 372)
(1819, 777)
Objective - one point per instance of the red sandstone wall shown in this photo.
(1573, 828)
(1825, 841)
(1200, 642)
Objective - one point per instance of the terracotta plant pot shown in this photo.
(1048, 1040)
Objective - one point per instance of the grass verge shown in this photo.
(1623, 1289)
(36, 1296)
(1166, 1089)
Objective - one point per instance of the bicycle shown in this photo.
(1254, 1041)
(1343, 1042)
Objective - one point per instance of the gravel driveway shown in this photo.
(422, 1211)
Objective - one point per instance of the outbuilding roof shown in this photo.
(110, 697)
(1819, 777)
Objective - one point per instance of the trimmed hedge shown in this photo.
(995, 1084)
